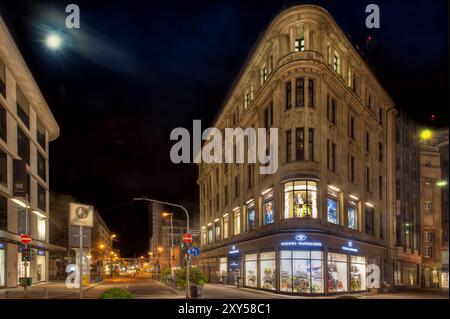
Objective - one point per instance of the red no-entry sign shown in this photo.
(187, 238)
(25, 239)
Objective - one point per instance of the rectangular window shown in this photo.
(337, 63)
(367, 142)
(299, 44)
(351, 129)
(236, 222)
(427, 206)
(380, 115)
(226, 195)
(268, 270)
(3, 169)
(217, 202)
(311, 93)
(40, 134)
(300, 199)
(23, 107)
(351, 170)
(300, 144)
(370, 229)
(2, 80)
(380, 187)
(357, 273)
(268, 116)
(427, 251)
(333, 157)
(217, 230)
(337, 272)
(41, 166)
(226, 226)
(236, 186)
(268, 208)
(204, 236)
(23, 146)
(311, 144)
(251, 216)
(42, 198)
(427, 236)
(22, 227)
(3, 213)
(288, 96)
(369, 101)
(42, 228)
(3, 127)
(380, 152)
(288, 145)
(250, 175)
(367, 179)
(352, 211)
(333, 207)
(300, 92)
(331, 109)
(210, 234)
(251, 270)
(264, 74)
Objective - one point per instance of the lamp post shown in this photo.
(187, 230)
(171, 240)
(101, 247)
(160, 251)
(113, 237)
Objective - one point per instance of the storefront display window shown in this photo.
(337, 273)
(226, 226)
(203, 238)
(352, 215)
(301, 271)
(2, 266)
(300, 199)
(357, 273)
(217, 229)
(268, 208)
(42, 227)
(210, 234)
(267, 266)
(236, 222)
(251, 271)
(222, 269)
(370, 221)
(332, 207)
(251, 221)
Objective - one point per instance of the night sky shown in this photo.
(137, 69)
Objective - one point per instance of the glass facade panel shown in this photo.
(251, 220)
(300, 199)
(267, 266)
(333, 207)
(352, 215)
(337, 273)
(357, 273)
(251, 270)
(268, 208)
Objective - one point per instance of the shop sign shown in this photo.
(233, 250)
(2, 246)
(41, 253)
(350, 247)
(301, 240)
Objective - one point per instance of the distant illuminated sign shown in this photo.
(2, 246)
(301, 241)
(41, 252)
(233, 250)
(349, 247)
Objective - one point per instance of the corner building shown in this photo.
(315, 225)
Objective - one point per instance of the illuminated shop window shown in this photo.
(357, 273)
(210, 234)
(352, 211)
(42, 228)
(226, 226)
(203, 238)
(301, 271)
(300, 199)
(251, 220)
(251, 270)
(267, 266)
(222, 268)
(337, 273)
(333, 207)
(236, 222)
(268, 208)
(217, 229)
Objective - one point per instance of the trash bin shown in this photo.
(196, 291)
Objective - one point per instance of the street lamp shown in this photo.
(53, 41)
(426, 135)
(165, 214)
(187, 230)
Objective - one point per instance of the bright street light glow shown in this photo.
(441, 183)
(53, 41)
(426, 134)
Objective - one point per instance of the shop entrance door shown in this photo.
(234, 270)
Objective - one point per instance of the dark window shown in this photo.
(40, 134)
(42, 198)
(300, 92)
(367, 142)
(367, 179)
(369, 101)
(299, 144)
(250, 175)
(380, 115)
(22, 227)
(3, 169)
(23, 107)
(380, 186)
(236, 186)
(41, 168)
(288, 145)
(352, 169)
(217, 202)
(268, 116)
(226, 194)
(2, 79)
(3, 213)
(23, 146)
(333, 157)
(331, 109)
(299, 44)
(288, 95)
(351, 130)
(380, 152)
(369, 221)
(381, 226)
(3, 127)
(311, 143)
(311, 93)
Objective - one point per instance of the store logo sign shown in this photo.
(349, 247)
(300, 237)
(301, 241)
(233, 250)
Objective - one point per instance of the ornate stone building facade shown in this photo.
(318, 222)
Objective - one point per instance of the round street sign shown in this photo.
(187, 238)
(194, 251)
(25, 239)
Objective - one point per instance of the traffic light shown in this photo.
(26, 254)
